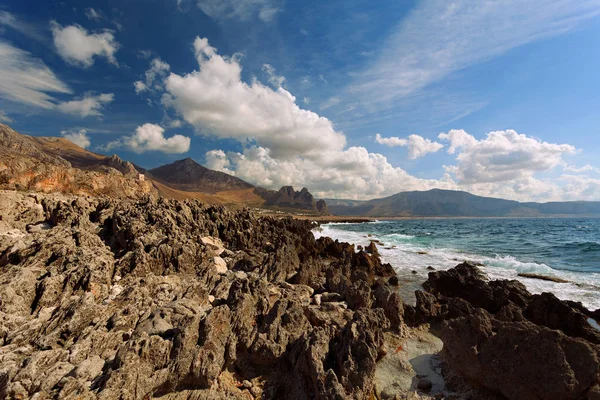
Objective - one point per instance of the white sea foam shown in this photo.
(411, 259)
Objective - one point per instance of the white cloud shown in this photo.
(153, 77)
(272, 77)
(440, 37)
(5, 118)
(217, 161)
(217, 102)
(581, 170)
(391, 141)
(139, 87)
(243, 10)
(26, 79)
(151, 137)
(417, 145)
(94, 15)
(89, 105)
(306, 100)
(503, 156)
(78, 47)
(79, 137)
(286, 145)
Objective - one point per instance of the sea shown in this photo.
(565, 248)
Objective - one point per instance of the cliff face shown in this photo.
(287, 197)
(34, 164)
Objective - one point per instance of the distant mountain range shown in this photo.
(449, 203)
(53, 164)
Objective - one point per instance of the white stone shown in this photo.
(220, 265)
(214, 244)
(317, 299)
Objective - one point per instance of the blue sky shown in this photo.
(352, 99)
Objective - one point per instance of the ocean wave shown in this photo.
(398, 236)
(410, 258)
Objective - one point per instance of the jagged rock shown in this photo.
(547, 310)
(520, 360)
(466, 281)
(496, 335)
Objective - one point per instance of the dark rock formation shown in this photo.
(157, 298)
(499, 337)
(321, 207)
(287, 197)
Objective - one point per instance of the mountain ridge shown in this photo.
(451, 203)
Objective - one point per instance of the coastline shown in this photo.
(156, 298)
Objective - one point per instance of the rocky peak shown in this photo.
(287, 197)
(125, 167)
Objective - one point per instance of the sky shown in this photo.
(352, 99)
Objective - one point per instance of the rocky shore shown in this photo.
(140, 299)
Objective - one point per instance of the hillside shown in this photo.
(37, 164)
(50, 164)
(448, 203)
(188, 175)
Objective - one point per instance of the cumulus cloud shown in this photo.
(283, 144)
(87, 106)
(502, 156)
(217, 161)
(79, 47)
(243, 10)
(158, 70)
(79, 137)
(272, 77)
(26, 79)
(151, 137)
(217, 102)
(417, 145)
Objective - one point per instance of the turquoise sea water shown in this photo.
(568, 248)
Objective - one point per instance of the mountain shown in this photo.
(188, 175)
(57, 165)
(287, 197)
(449, 203)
